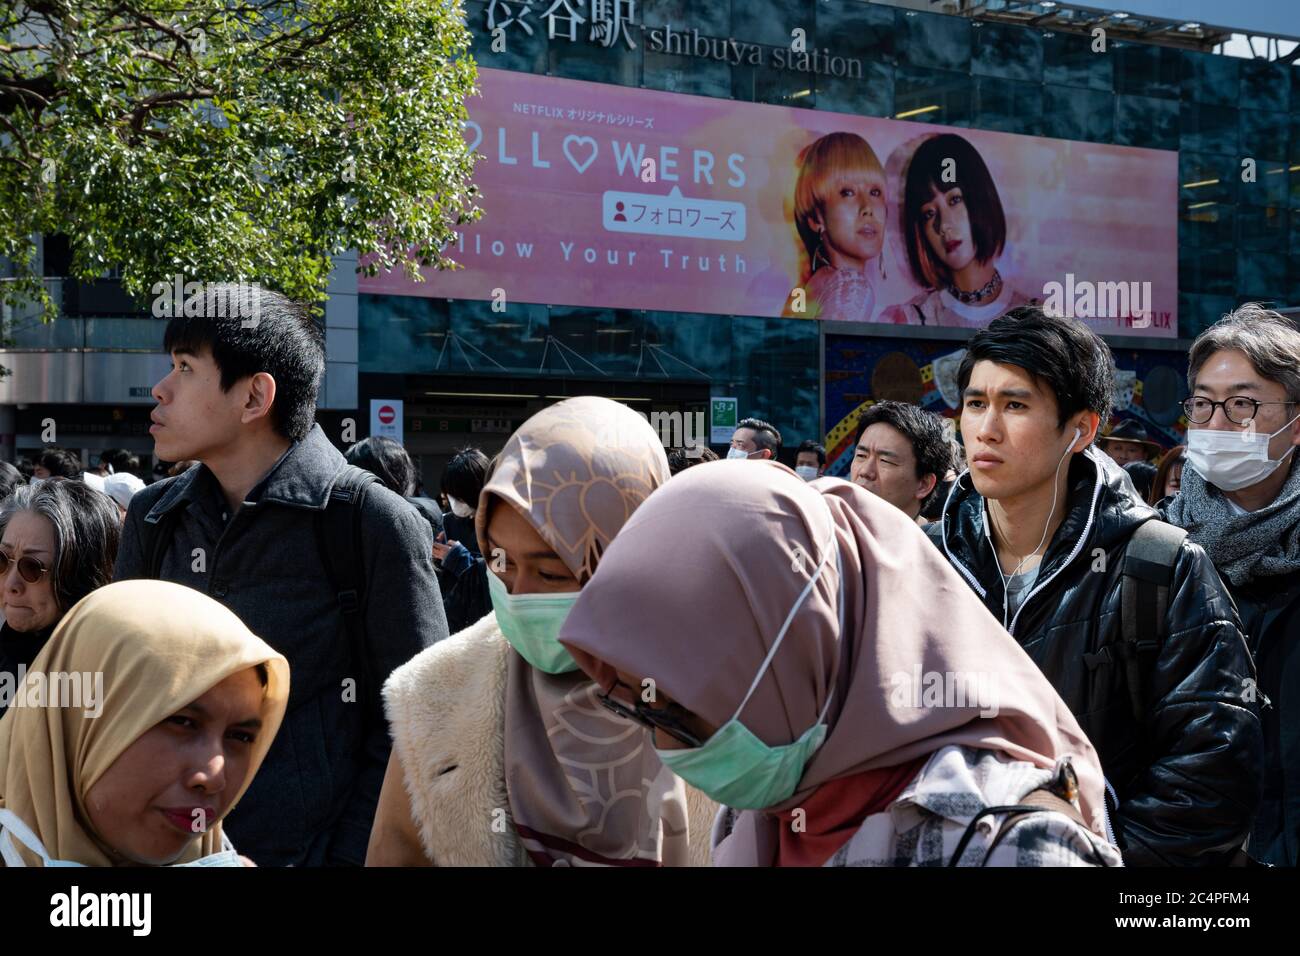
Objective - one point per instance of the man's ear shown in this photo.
(1088, 427)
(926, 486)
(260, 397)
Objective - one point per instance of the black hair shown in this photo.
(10, 478)
(61, 463)
(25, 467)
(988, 223)
(1143, 476)
(1062, 354)
(271, 333)
(923, 429)
(87, 529)
(385, 457)
(465, 475)
(263, 673)
(809, 445)
(765, 434)
(121, 460)
(679, 459)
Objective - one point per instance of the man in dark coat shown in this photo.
(1039, 527)
(241, 399)
(1240, 500)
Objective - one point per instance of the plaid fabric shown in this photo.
(925, 824)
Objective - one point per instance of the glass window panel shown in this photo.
(1146, 121)
(398, 333)
(585, 60)
(1262, 228)
(762, 84)
(1211, 78)
(855, 29)
(707, 16)
(933, 41)
(1264, 135)
(771, 22)
(873, 95)
(1070, 113)
(1008, 105)
(1208, 128)
(1207, 225)
(1196, 313)
(1007, 51)
(943, 96)
(1202, 270)
(1145, 70)
(1262, 277)
(124, 333)
(684, 74)
(1269, 187)
(1208, 178)
(525, 52)
(1265, 85)
(1068, 60)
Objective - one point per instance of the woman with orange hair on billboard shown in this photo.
(839, 210)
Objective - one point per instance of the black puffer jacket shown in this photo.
(1188, 781)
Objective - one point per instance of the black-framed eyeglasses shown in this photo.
(665, 719)
(1239, 409)
(29, 569)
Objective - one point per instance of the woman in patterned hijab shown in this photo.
(581, 786)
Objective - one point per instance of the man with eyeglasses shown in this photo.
(1240, 500)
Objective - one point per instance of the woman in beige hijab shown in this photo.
(138, 727)
(824, 674)
(502, 755)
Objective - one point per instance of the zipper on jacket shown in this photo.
(943, 533)
(1078, 546)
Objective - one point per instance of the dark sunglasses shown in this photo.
(29, 568)
(649, 717)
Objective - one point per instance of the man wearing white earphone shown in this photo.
(1127, 619)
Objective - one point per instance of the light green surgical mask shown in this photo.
(733, 766)
(531, 623)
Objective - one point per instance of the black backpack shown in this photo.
(1146, 576)
(338, 538)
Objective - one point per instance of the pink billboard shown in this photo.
(604, 196)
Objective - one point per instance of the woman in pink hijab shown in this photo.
(806, 658)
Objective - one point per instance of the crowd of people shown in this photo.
(1033, 646)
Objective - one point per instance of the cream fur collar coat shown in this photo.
(444, 797)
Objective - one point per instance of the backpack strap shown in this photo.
(1037, 801)
(1146, 577)
(338, 538)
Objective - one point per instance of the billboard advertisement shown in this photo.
(604, 196)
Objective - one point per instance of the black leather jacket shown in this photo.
(1187, 782)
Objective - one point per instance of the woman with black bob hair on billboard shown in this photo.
(955, 230)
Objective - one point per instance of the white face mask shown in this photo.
(737, 453)
(12, 827)
(1233, 460)
(459, 508)
(806, 472)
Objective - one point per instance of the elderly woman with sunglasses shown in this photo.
(58, 542)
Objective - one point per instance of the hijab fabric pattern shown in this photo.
(159, 646)
(743, 538)
(585, 787)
